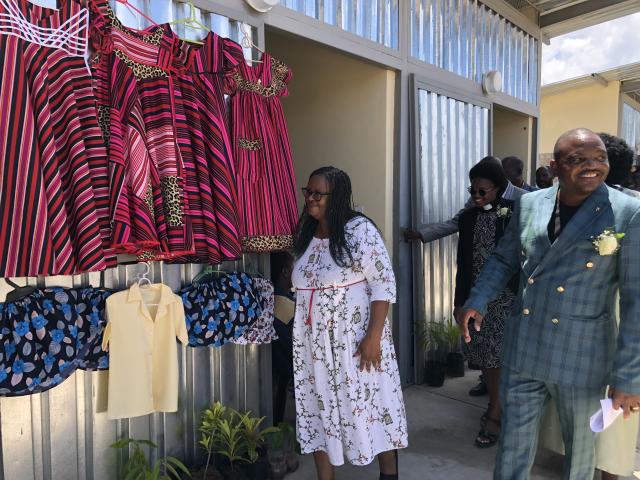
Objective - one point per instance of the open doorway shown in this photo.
(512, 135)
(340, 112)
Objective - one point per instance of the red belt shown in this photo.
(314, 290)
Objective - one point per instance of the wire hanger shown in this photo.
(143, 279)
(247, 42)
(135, 11)
(191, 21)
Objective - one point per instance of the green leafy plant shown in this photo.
(209, 429)
(230, 441)
(253, 438)
(432, 337)
(138, 466)
(452, 335)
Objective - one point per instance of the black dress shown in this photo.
(480, 231)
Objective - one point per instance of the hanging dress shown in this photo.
(53, 170)
(264, 167)
(173, 191)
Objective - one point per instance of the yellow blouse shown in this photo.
(143, 356)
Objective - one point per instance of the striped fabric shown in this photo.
(172, 190)
(265, 178)
(53, 171)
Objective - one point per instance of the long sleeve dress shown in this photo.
(340, 409)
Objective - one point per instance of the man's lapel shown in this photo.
(592, 208)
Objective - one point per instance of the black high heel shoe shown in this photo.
(384, 476)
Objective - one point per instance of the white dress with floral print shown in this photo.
(341, 410)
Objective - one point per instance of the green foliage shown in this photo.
(252, 437)
(452, 335)
(438, 338)
(138, 466)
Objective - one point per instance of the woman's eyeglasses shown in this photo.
(481, 191)
(316, 196)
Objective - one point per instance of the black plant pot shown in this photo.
(257, 471)
(434, 373)
(455, 365)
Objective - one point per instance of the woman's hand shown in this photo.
(370, 352)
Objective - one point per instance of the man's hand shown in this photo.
(370, 353)
(410, 235)
(629, 403)
(463, 317)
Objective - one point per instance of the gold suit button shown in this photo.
(555, 321)
(560, 289)
(526, 311)
(531, 281)
(589, 265)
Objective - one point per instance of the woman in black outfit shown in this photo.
(481, 228)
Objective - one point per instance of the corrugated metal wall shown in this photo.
(375, 20)
(631, 126)
(467, 38)
(451, 137)
(64, 434)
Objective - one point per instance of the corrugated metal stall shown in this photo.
(375, 20)
(631, 126)
(64, 433)
(450, 136)
(467, 38)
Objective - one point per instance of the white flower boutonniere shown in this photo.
(607, 243)
(504, 212)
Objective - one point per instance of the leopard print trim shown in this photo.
(154, 38)
(104, 122)
(148, 199)
(140, 70)
(172, 198)
(278, 73)
(251, 145)
(265, 244)
(147, 255)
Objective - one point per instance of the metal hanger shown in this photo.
(192, 22)
(144, 280)
(247, 42)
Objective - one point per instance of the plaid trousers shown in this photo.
(523, 400)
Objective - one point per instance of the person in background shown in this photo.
(347, 385)
(514, 168)
(435, 231)
(481, 228)
(282, 348)
(620, 164)
(544, 177)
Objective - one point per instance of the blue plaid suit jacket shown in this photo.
(562, 329)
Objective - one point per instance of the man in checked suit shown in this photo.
(566, 242)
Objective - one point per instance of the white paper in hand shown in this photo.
(603, 418)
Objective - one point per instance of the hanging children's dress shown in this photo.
(173, 194)
(265, 178)
(53, 170)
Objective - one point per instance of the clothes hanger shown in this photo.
(247, 42)
(208, 272)
(136, 11)
(18, 292)
(192, 22)
(143, 279)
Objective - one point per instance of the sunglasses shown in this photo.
(316, 196)
(481, 191)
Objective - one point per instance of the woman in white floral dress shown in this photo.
(347, 386)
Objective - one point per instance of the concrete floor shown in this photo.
(443, 423)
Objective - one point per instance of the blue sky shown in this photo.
(592, 49)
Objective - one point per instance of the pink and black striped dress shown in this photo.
(172, 190)
(264, 167)
(53, 169)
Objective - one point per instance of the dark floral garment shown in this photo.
(220, 309)
(47, 335)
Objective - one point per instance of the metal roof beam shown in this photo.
(632, 86)
(585, 14)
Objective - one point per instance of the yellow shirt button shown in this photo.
(555, 321)
(526, 311)
(531, 281)
(560, 289)
(589, 264)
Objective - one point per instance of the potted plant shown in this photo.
(431, 337)
(277, 453)
(253, 445)
(139, 467)
(455, 358)
(230, 448)
(209, 430)
(290, 445)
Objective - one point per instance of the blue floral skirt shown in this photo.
(220, 309)
(47, 335)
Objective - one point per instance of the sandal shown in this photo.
(486, 437)
(485, 415)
